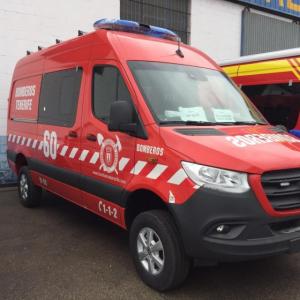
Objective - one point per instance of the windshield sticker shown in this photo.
(223, 115)
(256, 139)
(196, 114)
(192, 114)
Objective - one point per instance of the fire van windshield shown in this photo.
(187, 95)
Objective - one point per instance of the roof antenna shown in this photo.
(28, 52)
(40, 48)
(178, 51)
(57, 41)
(80, 33)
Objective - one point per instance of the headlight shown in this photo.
(217, 179)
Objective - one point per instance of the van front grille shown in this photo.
(282, 189)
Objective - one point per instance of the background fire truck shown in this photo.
(272, 82)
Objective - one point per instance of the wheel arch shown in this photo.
(140, 201)
(20, 161)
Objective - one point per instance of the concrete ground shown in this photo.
(60, 251)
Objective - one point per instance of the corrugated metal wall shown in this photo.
(261, 33)
(171, 14)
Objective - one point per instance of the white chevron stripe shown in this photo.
(41, 145)
(34, 144)
(94, 158)
(9, 137)
(64, 150)
(28, 142)
(178, 177)
(18, 139)
(123, 162)
(83, 155)
(73, 152)
(139, 166)
(14, 138)
(157, 171)
(23, 141)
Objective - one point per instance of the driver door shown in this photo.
(108, 157)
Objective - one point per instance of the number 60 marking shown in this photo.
(50, 144)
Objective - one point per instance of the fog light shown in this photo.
(226, 231)
(222, 228)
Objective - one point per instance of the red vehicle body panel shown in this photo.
(159, 172)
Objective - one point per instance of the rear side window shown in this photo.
(24, 99)
(108, 86)
(59, 97)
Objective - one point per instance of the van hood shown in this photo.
(251, 149)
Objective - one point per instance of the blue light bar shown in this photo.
(135, 27)
(295, 132)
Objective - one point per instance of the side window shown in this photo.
(59, 97)
(108, 86)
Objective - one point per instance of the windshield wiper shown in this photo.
(187, 123)
(207, 123)
(244, 123)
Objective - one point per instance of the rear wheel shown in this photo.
(30, 195)
(157, 250)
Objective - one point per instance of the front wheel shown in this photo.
(157, 250)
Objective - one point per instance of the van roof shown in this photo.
(108, 44)
(262, 57)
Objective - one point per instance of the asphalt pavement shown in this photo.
(60, 251)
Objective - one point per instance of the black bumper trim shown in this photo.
(208, 208)
(98, 188)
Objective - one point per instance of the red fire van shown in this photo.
(151, 135)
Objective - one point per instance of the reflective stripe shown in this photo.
(139, 166)
(157, 171)
(41, 145)
(178, 177)
(83, 155)
(73, 152)
(34, 144)
(64, 150)
(123, 162)
(94, 158)
(28, 142)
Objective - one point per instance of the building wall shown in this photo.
(216, 28)
(25, 24)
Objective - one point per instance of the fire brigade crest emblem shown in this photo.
(109, 153)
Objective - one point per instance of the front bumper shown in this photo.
(250, 233)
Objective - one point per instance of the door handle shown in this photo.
(91, 137)
(72, 134)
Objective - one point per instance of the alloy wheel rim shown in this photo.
(24, 187)
(150, 251)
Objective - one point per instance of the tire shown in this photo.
(30, 195)
(164, 266)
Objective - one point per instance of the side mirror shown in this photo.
(121, 117)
